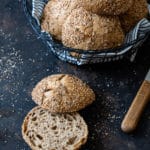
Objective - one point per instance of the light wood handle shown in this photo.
(132, 117)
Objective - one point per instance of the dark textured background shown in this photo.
(24, 60)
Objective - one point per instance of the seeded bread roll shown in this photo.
(88, 31)
(62, 93)
(138, 11)
(54, 15)
(49, 22)
(106, 7)
(43, 130)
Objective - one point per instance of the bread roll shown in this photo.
(62, 93)
(106, 7)
(138, 11)
(54, 15)
(88, 31)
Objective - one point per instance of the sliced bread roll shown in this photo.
(43, 130)
(88, 31)
(62, 93)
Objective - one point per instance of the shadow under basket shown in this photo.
(134, 39)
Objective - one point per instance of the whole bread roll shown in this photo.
(54, 15)
(106, 7)
(62, 93)
(88, 31)
(43, 130)
(138, 11)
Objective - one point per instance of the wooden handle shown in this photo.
(132, 117)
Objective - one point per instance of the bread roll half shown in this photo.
(43, 130)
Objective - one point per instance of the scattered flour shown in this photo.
(10, 58)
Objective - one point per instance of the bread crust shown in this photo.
(106, 7)
(138, 11)
(88, 31)
(62, 93)
(34, 135)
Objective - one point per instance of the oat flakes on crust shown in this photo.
(62, 93)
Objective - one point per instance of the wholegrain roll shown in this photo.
(106, 7)
(54, 15)
(88, 31)
(138, 11)
(43, 130)
(50, 22)
(62, 93)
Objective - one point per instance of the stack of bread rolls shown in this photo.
(55, 124)
(92, 24)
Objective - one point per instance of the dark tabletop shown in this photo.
(24, 60)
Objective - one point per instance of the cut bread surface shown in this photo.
(43, 130)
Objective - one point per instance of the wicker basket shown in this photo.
(133, 40)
